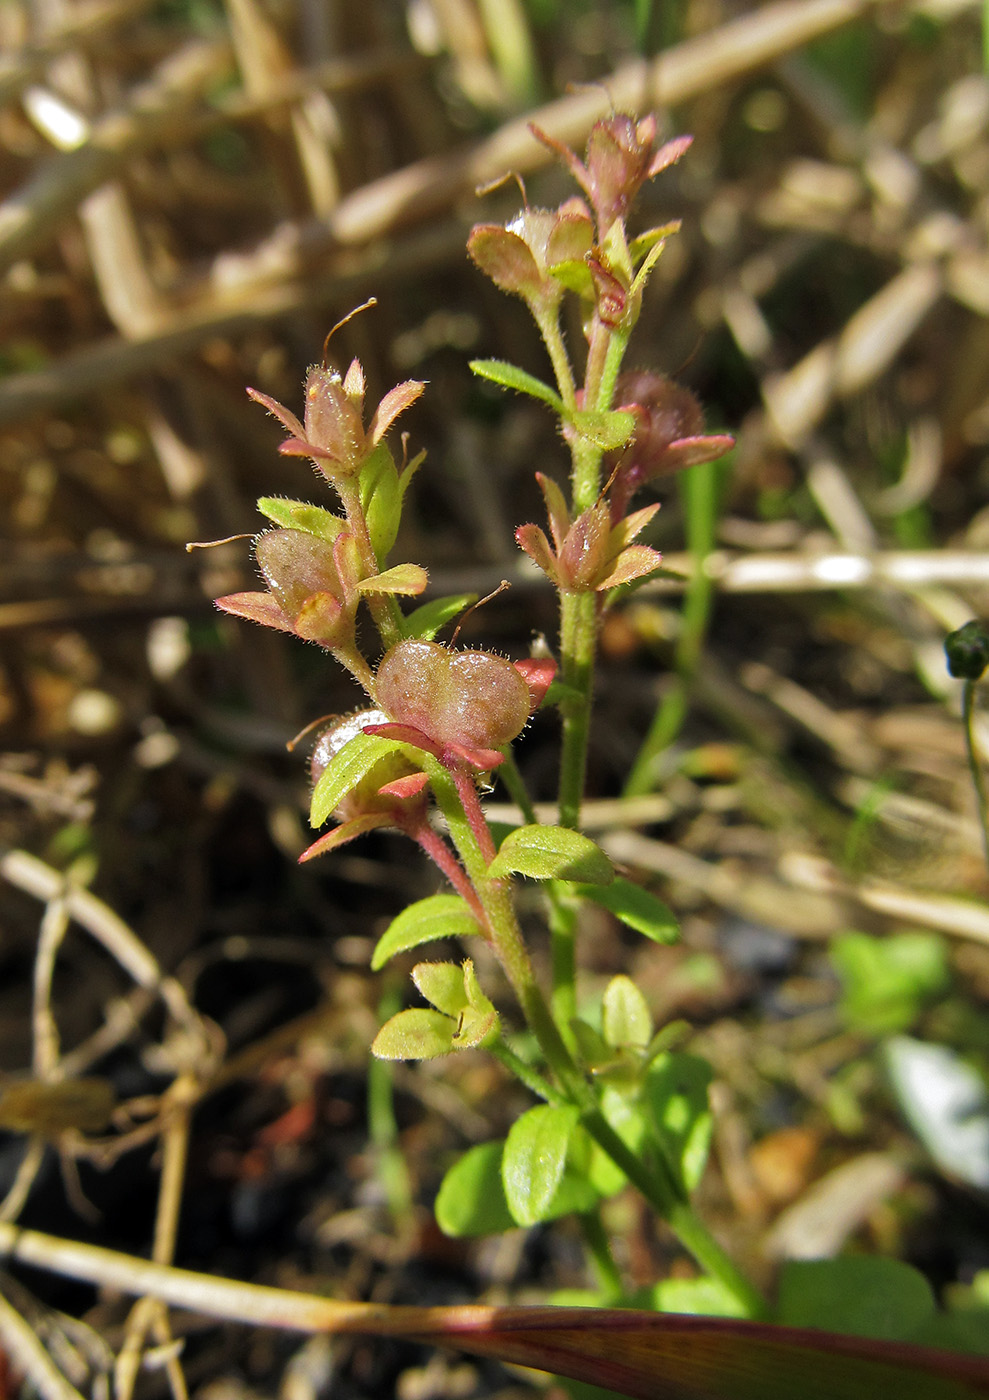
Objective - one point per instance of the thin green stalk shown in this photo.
(974, 764)
(599, 1248)
(549, 329)
(382, 1126)
(700, 496)
(515, 786)
(578, 641)
(506, 936)
(663, 1192)
(526, 1074)
(563, 954)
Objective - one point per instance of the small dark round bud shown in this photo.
(967, 651)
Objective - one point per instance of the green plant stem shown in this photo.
(382, 1126)
(666, 1195)
(974, 764)
(352, 661)
(515, 786)
(578, 641)
(525, 1073)
(549, 329)
(599, 1248)
(654, 1180)
(563, 953)
(700, 492)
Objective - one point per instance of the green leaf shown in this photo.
(511, 377)
(607, 429)
(439, 916)
(703, 1297)
(419, 1034)
(886, 981)
(424, 623)
(626, 1115)
(625, 1017)
(381, 500)
(863, 1296)
(298, 515)
(471, 1199)
(442, 984)
(636, 908)
(676, 1093)
(533, 1161)
(552, 853)
(345, 770)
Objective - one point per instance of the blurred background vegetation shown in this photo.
(191, 193)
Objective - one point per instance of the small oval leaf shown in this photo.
(442, 984)
(471, 1199)
(552, 853)
(419, 1034)
(676, 1092)
(439, 916)
(533, 1161)
(625, 1018)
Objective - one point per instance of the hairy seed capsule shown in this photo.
(471, 698)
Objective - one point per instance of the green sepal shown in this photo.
(345, 770)
(407, 579)
(552, 853)
(442, 984)
(423, 623)
(644, 243)
(381, 500)
(438, 916)
(299, 515)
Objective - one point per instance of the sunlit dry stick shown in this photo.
(88, 23)
(267, 280)
(960, 917)
(27, 1170)
(34, 877)
(150, 1314)
(33, 212)
(28, 1352)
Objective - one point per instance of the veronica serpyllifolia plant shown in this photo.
(616, 1103)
